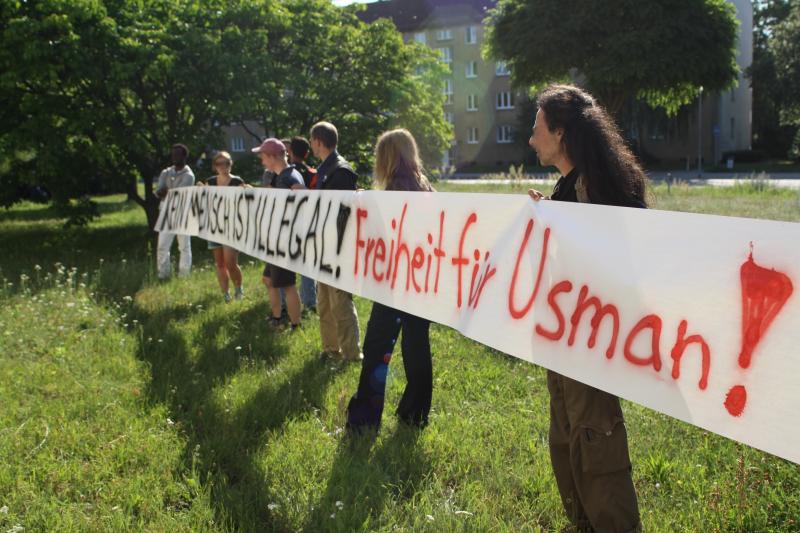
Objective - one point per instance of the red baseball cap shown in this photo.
(271, 146)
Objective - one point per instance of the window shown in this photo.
(447, 89)
(471, 36)
(237, 144)
(505, 134)
(448, 157)
(449, 117)
(472, 102)
(472, 136)
(472, 69)
(420, 38)
(733, 129)
(505, 100)
(444, 35)
(501, 69)
(446, 54)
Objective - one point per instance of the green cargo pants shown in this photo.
(589, 452)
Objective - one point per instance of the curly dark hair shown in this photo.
(593, 143)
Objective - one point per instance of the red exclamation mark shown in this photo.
(764, 292)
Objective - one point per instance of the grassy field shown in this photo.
(129, 404)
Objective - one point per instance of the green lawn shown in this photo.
(132, 405)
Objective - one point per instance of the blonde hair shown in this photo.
(397, 157)
(223, 155)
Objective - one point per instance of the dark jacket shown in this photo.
(335, 173)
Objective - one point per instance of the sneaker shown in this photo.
(238, 293)
(356, 359)
(226, 297)
(274, 322)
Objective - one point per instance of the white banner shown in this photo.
(695, 316)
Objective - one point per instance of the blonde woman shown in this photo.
(226, 259)
(397, 168)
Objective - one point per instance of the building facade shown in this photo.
(716, 123)
(479, 101)
(485, 112)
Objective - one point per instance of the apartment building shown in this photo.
(479, 101)
(716, 123)
(486, 113)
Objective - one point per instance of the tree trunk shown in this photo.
(149, 202)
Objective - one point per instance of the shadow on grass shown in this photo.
(193, 357)
(33, 212)
(364, 475)
(222, 441)
(24, 247)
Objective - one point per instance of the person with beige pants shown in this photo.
(338, 321)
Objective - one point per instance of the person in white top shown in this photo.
(178, 175)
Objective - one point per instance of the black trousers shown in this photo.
(385, 324)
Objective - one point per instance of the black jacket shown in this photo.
(336, 174)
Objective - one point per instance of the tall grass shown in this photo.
(129, 404)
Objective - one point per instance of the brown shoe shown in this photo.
(330, 355)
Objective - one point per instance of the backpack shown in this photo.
(309, 174)
(311, 179)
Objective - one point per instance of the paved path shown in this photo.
(787, 180)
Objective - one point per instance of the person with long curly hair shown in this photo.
(588, 440)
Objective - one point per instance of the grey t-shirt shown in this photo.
(288, 178)
(172, 179)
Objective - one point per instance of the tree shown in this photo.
(784, 45)
(104, 88)
(769, 134)
(366, 82)
(661, 51)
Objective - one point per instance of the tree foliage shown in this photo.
(661, 51)
(96, 91)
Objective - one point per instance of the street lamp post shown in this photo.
(700, 134)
